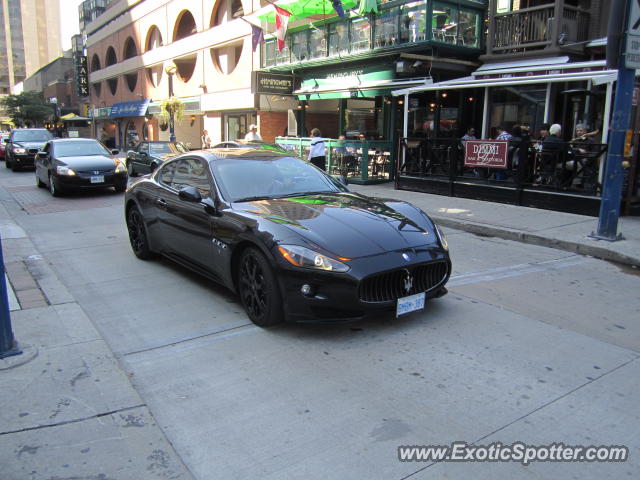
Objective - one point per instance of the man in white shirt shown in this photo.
(253, 134)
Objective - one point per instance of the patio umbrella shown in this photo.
(367, 6)
(306, 8)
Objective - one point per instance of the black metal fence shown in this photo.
(569, 168)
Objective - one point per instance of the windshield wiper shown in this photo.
(253, 199)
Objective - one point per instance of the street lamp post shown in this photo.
(170, 70)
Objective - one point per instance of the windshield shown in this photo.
(31, 136)
(244, 180)
(167, 148)
(77, 149)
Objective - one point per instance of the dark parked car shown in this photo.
(22, 146)
(78, 163)
(146, 156)
(293, 242)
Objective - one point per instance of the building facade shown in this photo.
(29, 39)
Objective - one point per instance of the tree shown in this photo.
(27, 108)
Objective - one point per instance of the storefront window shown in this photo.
(444, 23)
(360, 34)
(361, 119)
(522, 105)
(413, 23)
(338, 38)
(469, 29)
(269, 53)
(386, 28)
(317, 43)
(283, 56)
(299, 46)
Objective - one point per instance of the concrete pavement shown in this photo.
(67, 408)
(564, 231)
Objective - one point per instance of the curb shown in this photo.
(534, 239)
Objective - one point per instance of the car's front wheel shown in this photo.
(258, 289)
(138, 235)
(54, 189)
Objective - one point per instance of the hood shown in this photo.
(348, 224)
(28, 145)
(88, 162)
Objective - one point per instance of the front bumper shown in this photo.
(83, 180)
(23, 160)
(336, 297)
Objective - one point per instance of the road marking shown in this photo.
(499, 273)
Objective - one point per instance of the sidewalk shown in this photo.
(67, 408)
(564, 231)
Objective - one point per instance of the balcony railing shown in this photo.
(533, 29)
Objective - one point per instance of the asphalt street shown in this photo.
(531, 344)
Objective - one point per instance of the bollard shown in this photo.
(8, 344)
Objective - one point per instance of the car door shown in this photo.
(152, 201)
(43, 163)
(187, 226)
(141, 153)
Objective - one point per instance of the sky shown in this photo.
(68, 21)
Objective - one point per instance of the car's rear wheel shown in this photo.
(130, 170)
(53, 188)
(258, 289)
(138, 235)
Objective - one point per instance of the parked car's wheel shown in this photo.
(130, 169)
(53, 188)
(138, 235)
(258, 289)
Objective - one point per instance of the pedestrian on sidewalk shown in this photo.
(253, 135)
(205, 139)
(316, 153)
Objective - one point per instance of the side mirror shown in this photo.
(190, 194)
(115, 151)
(42, 154)
(210, 206)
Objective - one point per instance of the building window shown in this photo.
(444, 23)
(185, 26)
(226, 11)
(226, 58)
(185, 67)
(338, 38)
(360, 34)
(154, 39)
(318, 43)
(130, 49)
(386, 28)
(95, 63)
(413, 22)
(299, 46)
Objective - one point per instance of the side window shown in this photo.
(192, 172)
(165, 175)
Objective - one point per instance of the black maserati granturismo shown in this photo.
(293, 242)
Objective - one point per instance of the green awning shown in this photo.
(303, 9)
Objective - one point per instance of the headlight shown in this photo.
(64, 171)
(120, 168)
(443, 240)
(19, 150)
(307, 258)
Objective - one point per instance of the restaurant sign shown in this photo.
(271, 83)
(486, 153)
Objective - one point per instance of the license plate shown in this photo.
(97, 179)
(411, 303)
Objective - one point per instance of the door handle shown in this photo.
(162, 202)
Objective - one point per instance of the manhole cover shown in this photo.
(36, 201)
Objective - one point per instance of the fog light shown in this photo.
(306, 289)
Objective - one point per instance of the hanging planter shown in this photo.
(163, 126)
(172, 105)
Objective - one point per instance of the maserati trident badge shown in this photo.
(408, 281)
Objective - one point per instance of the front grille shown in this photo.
(390, 286)
(33, 151)
(95, 172)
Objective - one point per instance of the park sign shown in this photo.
(486, 153)
(82, 75)
(632, 50)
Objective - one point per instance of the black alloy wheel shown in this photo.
(258, 289)
(138, 235)
(53, 188)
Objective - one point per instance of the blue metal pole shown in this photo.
(8, 344)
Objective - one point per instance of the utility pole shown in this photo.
(8, 344)
(623, 53)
